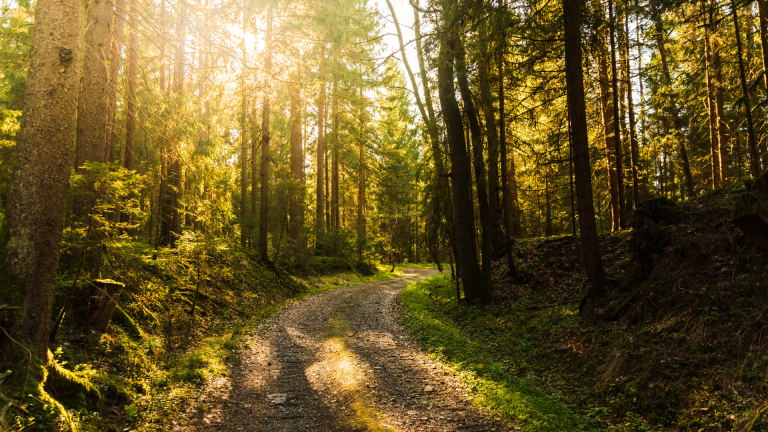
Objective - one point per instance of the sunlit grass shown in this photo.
(516, 400)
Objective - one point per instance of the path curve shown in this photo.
(338, 361)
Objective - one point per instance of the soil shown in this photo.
(337, 361)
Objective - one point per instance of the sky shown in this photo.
(404, 13)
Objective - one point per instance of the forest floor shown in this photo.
(337, 361)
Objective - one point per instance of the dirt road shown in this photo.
(338, 361)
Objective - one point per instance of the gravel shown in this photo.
(337, 361)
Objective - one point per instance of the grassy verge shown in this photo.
(491, 363)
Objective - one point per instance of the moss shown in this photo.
(71, 389)
(127, 323)
(55, 411)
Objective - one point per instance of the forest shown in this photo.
(563, 204)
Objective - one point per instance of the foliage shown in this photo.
(428, 309)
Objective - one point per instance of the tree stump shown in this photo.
(750, 211)
(106, 293)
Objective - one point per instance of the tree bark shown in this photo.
(713, 135)
(130, 118)
(574, 79)
(32, 230)
(754, 157)
(114, 70)
(508, 180)
(637, 188)
(762, 6)
(722, 128)
(94, 101)
(606, 109)
(475, 286)
(244, 219)
(494, 187)
(481, 182)
(361, 186)
(297, 165)
(335, 163)
(320, 191)
(617, 119)
(175, 173)
(265, 135)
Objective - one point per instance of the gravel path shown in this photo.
(338, 361)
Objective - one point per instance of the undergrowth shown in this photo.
(178, 324)
(679, 347)
(448, 332)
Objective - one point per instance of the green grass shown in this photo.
(475, 360)
(323, 283)
(418, 265)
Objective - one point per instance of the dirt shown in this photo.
(337, 361)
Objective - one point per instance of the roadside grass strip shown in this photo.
(517, 401)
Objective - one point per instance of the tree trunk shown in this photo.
(753, 155)
(479, 164)
(114, 70)
(574, 79)
(642, 102)
(762, 6)
(617, 120)
(178, 87)
(320, 202)
(493, 145)
(32, 230)
(335, 165)
(511, 216)
(637, 188)
(713, 135)
(297, 165)
(265, 135)
(130, 118)
(606, 109)
(443, 185)
(244, 219)
(94, 101)
(475, 286)
(361, 240)
(722, 128)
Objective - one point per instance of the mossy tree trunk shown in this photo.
(33, 226)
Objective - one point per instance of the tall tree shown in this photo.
(494, 188)
(265, 136)
(32, 229)
(297, 164)
(320, 195)
(130, 114)
(606, 110)
(481, 180)
(754, 157)
(244, 217)
(475, 285)
(633, 144)
(116, 45)
(574, 79)
(617, 118)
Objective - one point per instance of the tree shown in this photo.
(265, 135)
(37, 202)
(574, 77)
(475, 285)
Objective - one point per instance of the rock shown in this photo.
(277, 398)
(429, 388)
